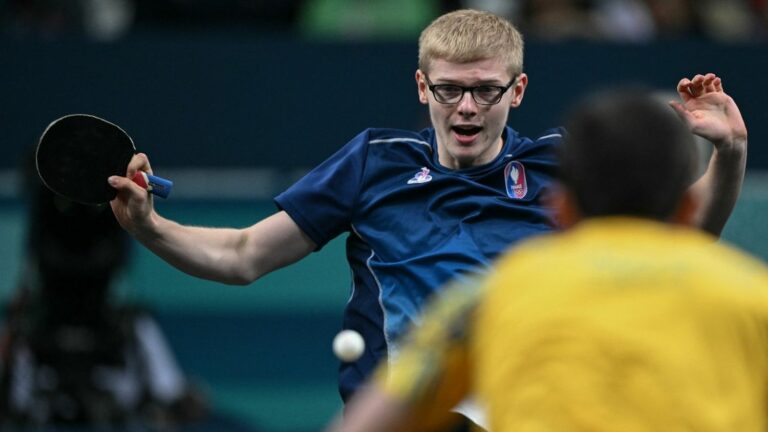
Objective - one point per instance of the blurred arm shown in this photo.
(419, 389)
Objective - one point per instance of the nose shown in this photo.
(467, 105)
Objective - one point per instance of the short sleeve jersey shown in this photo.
(643, 327)
(413, 224)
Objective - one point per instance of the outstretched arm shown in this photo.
(228, 255)
(712, 114)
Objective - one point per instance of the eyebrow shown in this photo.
(491, 82)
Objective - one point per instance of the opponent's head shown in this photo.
(628, 154)
(470, 75)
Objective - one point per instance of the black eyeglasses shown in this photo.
(482, 94)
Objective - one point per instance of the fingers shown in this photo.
(126, 185)
(718, 83)
(708, 83)
(699, 85)
(683, 89)
(139, 162)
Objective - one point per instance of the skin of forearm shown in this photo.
(727, 165)
(208, 253)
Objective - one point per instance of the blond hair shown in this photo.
(467, 35)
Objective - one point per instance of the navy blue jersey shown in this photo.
(414, 224)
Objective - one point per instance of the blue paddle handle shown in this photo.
(159, 186)
(154, 184)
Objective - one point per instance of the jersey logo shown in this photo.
(421, 177)
(514, 178)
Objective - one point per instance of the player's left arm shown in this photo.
(712, 114)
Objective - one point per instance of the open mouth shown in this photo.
(466, 130)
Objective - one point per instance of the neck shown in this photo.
(457, 163)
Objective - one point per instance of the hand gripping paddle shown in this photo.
(78, 152)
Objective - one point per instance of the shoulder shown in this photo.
(553, 135)
(541, 146)
(548, 137)
(733, 262)
(362, 145)
(399, 137)
(533, 253)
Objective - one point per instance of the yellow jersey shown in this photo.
(618, 324)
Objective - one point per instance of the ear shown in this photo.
(563, 205)
(518, 90)
(421, 84)
(687, 209)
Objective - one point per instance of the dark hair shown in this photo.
(626, 153)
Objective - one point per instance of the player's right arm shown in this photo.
(227, 255)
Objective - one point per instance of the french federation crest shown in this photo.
(514, 178)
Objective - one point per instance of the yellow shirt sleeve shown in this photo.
(431, 372)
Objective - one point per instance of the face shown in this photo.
(469, 134)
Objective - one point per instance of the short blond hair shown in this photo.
(467, 35)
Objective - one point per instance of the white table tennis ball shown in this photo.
(348, 345)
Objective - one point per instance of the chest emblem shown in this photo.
(514, 178)
(421, 176)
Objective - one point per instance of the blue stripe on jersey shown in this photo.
(414, 224)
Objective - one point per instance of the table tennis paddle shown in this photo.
(78, 152)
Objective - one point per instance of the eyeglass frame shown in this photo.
(471, 90)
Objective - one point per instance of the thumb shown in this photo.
(117, 182)
(125, 184)
(682, 112)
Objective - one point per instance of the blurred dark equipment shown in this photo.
(70, 354)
